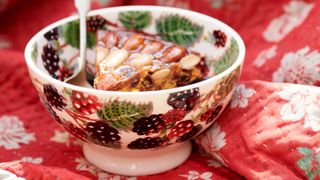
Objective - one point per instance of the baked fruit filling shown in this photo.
(130, 61)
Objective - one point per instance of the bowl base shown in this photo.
(137, 162)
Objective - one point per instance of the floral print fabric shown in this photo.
(268, 134)
(13, 133)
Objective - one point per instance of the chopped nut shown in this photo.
(110, 39)
(115, 58)
(106, 81)
(173, 53)
(133, 42)
(189, 61)
(126, 72)
(161, 74)
(133, 61)
(101, 54)
(138, 60)
(152, 47)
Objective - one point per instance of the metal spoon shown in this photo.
(79, 76)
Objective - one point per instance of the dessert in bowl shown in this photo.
(133, 121)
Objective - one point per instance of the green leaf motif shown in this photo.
(34, 52)
(135, 20)
(71, 34)
(310, 163)
(178, 29)
(121, 115)
(228, 58)
(305, 151)
(304, 164)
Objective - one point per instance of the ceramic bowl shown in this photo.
(136, 133)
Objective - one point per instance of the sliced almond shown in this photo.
(152, 47)
(161, 74)
(133, 42)
(189, 61)
(173, 53)
(101, 54)
(110, 39)
(116, 58)
(139, 60)
(106, 81)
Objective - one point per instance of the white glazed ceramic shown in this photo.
(136, 133)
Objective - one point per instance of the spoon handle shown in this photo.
(83, 6)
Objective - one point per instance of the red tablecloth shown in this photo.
(271, 129)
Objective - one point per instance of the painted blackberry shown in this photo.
(145, 143)
(64, 73)
(149, 125)
(180, 129)
(195, 130)
(211, 114)
(220, 38)
(53, 113)
(95, 22)
(184, 99)
(76, 131)
(84, 103)
(53, 34)
(206, 115)
(174, 115)
(53, 97)
(50, 59)
(102, 132)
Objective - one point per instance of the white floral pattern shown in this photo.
(212, 141)
(108, 176)
(60, 137)
(193, 175)
(13, 133)
(241, 95)
(301, 67)
(294, 14)
(6, 175)
(265, 55)
(302, 104)
(64, 137)
(37, 160)
(84, 165)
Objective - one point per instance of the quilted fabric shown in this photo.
(270, 130)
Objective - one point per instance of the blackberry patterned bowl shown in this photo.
(136, 133)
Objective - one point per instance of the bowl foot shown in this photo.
(137, 162)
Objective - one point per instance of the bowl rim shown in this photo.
(30, 63)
